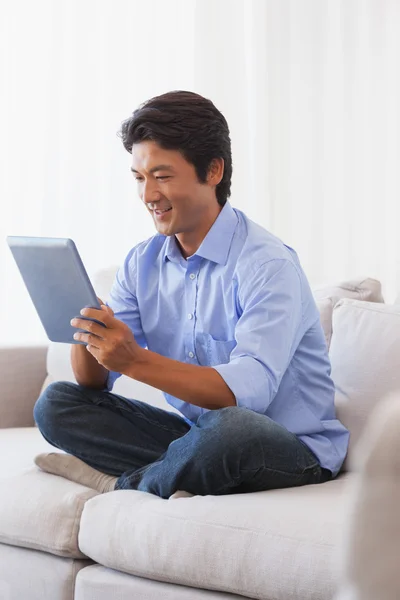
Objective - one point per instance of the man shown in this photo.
(214, 311)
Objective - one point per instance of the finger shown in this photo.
(87, 338)
(95, 352)
(89, 326)
(99, 315)
(107, 309)
(90, 348)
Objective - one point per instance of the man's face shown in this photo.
(169, 187)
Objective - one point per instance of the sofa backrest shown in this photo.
(342, 333)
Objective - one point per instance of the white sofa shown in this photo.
(62, 541)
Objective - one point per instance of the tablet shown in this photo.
(57, 283)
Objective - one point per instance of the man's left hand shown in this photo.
(114, 345)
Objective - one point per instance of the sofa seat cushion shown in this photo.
(37, 510)
(277, 544)
(99, 583)
(33, 575)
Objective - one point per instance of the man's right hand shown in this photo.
(86, 369)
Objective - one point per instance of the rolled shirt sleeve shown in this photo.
(267, 333)
(122, 300)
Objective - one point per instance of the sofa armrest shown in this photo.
(22, 373)
(366, 555)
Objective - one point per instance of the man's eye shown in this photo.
(163, 177)
(139, 178)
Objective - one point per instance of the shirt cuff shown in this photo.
(111, 379)
(249, 383)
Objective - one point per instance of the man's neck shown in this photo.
(190, 242)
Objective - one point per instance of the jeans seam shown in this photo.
(255, 471)
(133, 477)
(310, 468)
(236, 479)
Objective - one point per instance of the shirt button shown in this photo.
(192, 276)
(191, 355)
(190, 316)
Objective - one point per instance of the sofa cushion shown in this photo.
(327, 296)
(277, 544)
(99, 583)
(37, 510)
(364, 353)
(33, 575)
(364, 288)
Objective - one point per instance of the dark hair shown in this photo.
(187, 122)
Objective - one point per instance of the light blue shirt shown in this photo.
(242, 305)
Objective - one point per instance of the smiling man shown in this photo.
(214, 311)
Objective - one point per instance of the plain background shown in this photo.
(310, 89)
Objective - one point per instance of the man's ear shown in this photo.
(215, 171)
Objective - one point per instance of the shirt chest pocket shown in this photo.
(211, 352)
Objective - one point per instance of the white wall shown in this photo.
(310, 88)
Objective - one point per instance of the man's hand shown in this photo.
(114, 345)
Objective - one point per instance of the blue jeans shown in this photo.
(230, 450)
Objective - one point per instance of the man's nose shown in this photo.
(150, 192)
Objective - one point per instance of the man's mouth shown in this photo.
(161, 212)
(162, 215)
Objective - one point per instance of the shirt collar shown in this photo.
(216, 244)
(172, 251)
